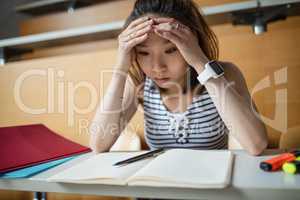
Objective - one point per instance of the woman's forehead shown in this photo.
(153, 40)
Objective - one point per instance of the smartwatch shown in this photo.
(212, 69)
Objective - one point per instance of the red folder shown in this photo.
(24, 146)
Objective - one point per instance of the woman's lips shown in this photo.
(162, 80)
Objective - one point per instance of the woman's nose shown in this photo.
(158, 65)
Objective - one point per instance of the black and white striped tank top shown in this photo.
(199, 127)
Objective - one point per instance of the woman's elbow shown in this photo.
(94, 143)
(93, 146)
(96, 148)
(258, 148)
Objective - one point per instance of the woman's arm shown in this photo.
(114, 112)
(117, 108)
(235, 106)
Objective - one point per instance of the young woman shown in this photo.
(167, 62)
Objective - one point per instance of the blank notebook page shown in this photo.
(190, 166)
(100, 166)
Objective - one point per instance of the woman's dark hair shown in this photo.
(187, 13)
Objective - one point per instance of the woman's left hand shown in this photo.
(185, 40)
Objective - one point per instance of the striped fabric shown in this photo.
(199, 127)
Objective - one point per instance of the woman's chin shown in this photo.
(164, 85)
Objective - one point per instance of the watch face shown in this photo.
(217, 67)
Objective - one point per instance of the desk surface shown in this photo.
(248, 182)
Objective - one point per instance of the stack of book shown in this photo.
(30, 149)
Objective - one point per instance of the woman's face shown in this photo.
(162, 62)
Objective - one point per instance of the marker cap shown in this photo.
(289, 168)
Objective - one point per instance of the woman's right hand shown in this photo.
(136, 32)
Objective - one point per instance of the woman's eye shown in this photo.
(171, 50)
(142, 53)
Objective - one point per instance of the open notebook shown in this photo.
(174, 168)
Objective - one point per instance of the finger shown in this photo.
(137, 22)
(169, 36)
(177, 28)
(127, 33)
(172, 26)
(139, 27)
(137, 34)
(173, 22)
(163, 20)
(137, 40)
(183, 28)
(179, 32)
(163, 27)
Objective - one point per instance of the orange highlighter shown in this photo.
(276, 162)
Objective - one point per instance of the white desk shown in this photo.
(248, 182)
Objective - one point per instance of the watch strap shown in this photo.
(205, 75)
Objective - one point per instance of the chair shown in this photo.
(290, 139)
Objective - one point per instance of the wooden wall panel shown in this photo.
(92, 15)
(73, 49)
(101, 13)
(59, 196)
(260, 57)
(20, 195)
(215, 2)
(15, 195)
(91, 70)
(257, 56)
(86, 69)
